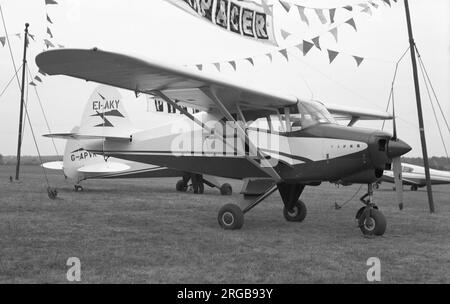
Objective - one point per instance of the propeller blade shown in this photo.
(397, 169)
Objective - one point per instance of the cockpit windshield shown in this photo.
(309, 114)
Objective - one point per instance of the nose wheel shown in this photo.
(370, 220)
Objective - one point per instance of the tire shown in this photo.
(361, 210)
(297, 214)
(372, 222)
(231, 217)
(181, 186)
(226, 189)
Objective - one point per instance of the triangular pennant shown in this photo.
(316, 42)
(18, 35)
(332, 55)
(47, 2)
(38, 78)
(334, 32)
(300, 47)
(287, 6)
(217, 65)
(233, 64)
(49, 20)
(285, 34)
(32, 84)
(49, 32)
(284, 53)
(352, 23)
(42, 72)
(321, 16)
(387, 2)
(367, 10)
(250, 59)
(266, 7)
(60, 46)
(301, 11)
(3, 40)
(359, 60)
(348, 7)
(199, 67)
(270, 56)
(373, 4)
(307, 46)
(48, 44)
(332, 13)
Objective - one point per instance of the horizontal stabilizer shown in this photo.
(57, 165)
(86, 136)
(104, 167)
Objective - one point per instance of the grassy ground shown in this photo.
(143, 231)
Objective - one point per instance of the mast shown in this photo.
(412, 45)
(22, 94)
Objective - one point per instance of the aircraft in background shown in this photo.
(308, 149)
(79, 164)
(414, 176)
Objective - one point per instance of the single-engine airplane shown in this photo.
(79, 164)
(414, 176)
(308, 148)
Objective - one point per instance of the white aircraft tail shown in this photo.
(105, 114)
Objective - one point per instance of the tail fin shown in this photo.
(105, 114)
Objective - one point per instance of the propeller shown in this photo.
(397, 164)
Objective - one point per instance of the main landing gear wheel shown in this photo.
(372, 222)
(231, 217)
(181, 186)
(78, 188)
(297, 212)
(226, 189)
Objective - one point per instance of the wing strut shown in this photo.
(267, 168)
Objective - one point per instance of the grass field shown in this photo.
(143, 231)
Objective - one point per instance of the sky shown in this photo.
(156, 29)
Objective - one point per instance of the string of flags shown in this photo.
(306, 45)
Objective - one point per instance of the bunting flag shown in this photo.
(48, 44)
(245, 18)
(316, 42)
(3, 40)
(358, 60)
(42, 72)
(334, 32)
(47, 2)
(270, 56)
(299, 47)
(352, 23)
(285, 34)
(18, 35)
(32, 84)
(49, 32)
(285, 5)
(332, 13)
(284, 53)
(38, 78)
(387, 2)
(217, 65)
(49, 20)
(307, 46)
(373, 4)
(348, 7)
(233, 64)
(31, 36)
(301, 11)
(367, 10)
(199, 66)
(250, 59)
(332, 55)
(321, 15)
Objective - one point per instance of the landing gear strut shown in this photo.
(370, 220)
(231, 216)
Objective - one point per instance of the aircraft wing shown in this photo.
(77, 136)
(176, 82)
(348, 113)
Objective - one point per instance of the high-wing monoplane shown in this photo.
(246, 131)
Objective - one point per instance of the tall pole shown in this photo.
(22, 94)
(412, 45)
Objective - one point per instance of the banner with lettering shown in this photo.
(244, 18)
